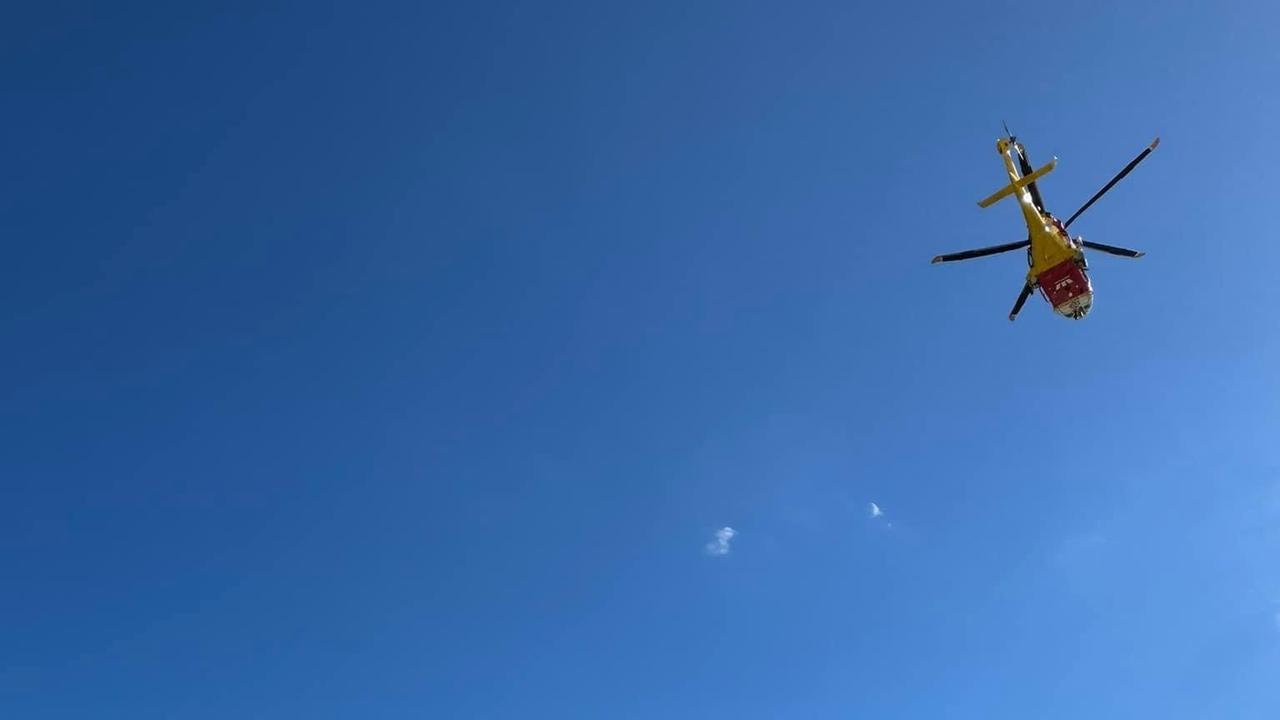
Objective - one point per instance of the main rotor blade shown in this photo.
(1119, 176)
(981, 252)
(1022, 300)
(1024, 164)
(1113, 250)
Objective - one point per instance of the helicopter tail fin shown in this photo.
(1018, 184)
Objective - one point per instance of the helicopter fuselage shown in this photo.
(1056, 260)
(1057, 264)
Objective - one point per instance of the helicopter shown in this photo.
(1057, 263)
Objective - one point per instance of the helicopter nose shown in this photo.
(1077, 307)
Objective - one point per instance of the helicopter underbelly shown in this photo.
(1067, 288)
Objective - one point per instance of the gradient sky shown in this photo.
(369, 360)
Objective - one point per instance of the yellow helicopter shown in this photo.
(1057, 262)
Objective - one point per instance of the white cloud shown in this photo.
(719, 545)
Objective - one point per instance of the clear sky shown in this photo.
(369, 360)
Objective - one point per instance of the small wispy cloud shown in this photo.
(719, 544)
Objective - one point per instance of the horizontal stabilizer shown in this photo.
(1018, 184)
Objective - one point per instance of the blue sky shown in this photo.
(398, 361)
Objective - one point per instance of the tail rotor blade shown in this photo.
(1113, 250)
(1022, 300)
(981, 252)
(1119, 176)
